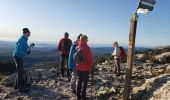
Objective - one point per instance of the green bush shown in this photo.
(100, 59)
(7, 67)
(46, 65)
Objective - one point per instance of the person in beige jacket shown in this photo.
(116, 54)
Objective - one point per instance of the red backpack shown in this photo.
(122, 52)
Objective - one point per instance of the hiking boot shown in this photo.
(118, 74)
(68, 75)
(24, 89)
(84, 98)
(78, 98)
(61, 75)
(15, 87)
(73, 91)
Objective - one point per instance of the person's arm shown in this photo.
(89, 58)
(112, 53)
(28, 50)
(71, 42)
(23, 46)
(59, 46)
(116, 51)
(70, 59)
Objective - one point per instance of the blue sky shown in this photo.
(104, 21)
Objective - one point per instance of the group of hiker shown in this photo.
(77, 58)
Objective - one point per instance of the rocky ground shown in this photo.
(149, 81)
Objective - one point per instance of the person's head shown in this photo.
(79, 36)
(66, 34)
(26, 32)
(115, 44)
(84, 38)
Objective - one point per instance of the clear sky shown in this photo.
(104, 21)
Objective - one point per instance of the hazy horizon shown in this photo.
(91, 45)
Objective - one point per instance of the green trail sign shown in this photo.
(151, 2)
(145, 6)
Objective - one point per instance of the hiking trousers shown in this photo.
(19, 66)
(63, 62)
(73, 79)
(83, 77)
(117, 65)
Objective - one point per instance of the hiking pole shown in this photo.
(92, 80)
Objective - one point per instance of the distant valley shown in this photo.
(43, 53)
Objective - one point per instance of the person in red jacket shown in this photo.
(64, 50)
(83, 68)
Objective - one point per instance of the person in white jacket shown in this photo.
(116, 54)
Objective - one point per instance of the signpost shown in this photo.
(152, 2)
(146, 6)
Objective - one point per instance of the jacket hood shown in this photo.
(66, 37)
(82, 44)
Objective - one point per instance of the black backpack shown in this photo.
(66, 46)
(78, 56)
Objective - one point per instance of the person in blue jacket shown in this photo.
(72, 65)
(20, 51)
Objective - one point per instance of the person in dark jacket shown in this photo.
(64, 50)
(20, 51)
(83, 68)
(72, 65)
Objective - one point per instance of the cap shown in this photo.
(66, 34)
(26, 30)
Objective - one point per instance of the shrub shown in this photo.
(7, 67)
(100, 59)
(46, 65)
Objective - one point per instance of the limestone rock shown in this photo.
(9, 80)
(141, 57)
(163, 58)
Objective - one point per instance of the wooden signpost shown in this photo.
(146, 6)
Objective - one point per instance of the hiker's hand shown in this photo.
(94, 64)
(60, 52)
(91, 68)
(32, 45)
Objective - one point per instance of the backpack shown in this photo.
(78, 56)
(66, 46)
(122, 52)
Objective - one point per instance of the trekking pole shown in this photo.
(92, 79)
(92, 82)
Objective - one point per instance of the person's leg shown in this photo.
(115, 65)
(118, 65)
(20, 70)
(68, 71)
(62, 64)
(79, 84)
(16, 81)
(85, 82)
(73, 80)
